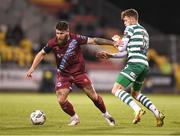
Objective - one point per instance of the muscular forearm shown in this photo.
(102, 41)
(37, 60)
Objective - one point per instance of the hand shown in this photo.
(29, 73)
(103, 55)
(117, 40)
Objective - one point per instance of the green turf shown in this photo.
(16, 108)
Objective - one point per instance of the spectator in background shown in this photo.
(14, 35)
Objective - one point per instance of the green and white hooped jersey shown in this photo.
(138, 44)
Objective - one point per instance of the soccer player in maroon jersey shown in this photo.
(66, 47)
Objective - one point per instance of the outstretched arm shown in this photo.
(35, 63)
(100, 41)
(106, 55)
(119, 54)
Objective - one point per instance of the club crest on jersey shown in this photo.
(59, 84)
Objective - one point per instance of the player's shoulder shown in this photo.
(130, 27)
(137, 26)
(77, 36)
(52, 41)
(72, 35)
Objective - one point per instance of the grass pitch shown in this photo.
(15, 110)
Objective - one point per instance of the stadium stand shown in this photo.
(36, 19)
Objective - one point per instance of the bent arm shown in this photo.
(123, 44)
(100, 41)
(36, 61)
(106, 55)
(120, 43)
(119, 54)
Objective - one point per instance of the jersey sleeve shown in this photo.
(82, 39)
(120, 54)
(128, 32)
(48, 47)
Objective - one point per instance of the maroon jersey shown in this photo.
(69, 57)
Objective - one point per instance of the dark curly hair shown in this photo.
(62, 25)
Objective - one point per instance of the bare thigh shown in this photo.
(90, 92)
(116, 87)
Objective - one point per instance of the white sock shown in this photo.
(126, 98)
(154, 110)
(75, 116)
(106, 113)
(148, 104)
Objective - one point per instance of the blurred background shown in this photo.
(26, 26)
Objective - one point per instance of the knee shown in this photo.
(61, 100)
(134, 94)
(116, 88)
(91, 93)
(113, 91)
(62, 95)
(93, 97)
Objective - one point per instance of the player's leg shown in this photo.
(97, 100)
(99, 103)
(62, 92)
(124, 79)
(84, 82)
(66, 106)
(144, 100)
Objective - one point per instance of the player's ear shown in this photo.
(67, 30)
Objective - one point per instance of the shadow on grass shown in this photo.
(176, 122)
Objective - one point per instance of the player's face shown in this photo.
(129, 21)
(61, 35)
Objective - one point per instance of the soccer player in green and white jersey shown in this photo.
(134, 44)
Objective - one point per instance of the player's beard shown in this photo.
(63, 42)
